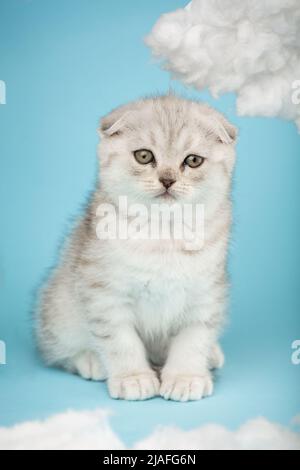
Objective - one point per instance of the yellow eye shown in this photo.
(143, 156)
(194, 161)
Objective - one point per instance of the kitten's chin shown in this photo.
(172, 198)
(166, 197)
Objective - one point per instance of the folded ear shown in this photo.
(112, 124)
(115, 122)
(226, 132)
(226, 135)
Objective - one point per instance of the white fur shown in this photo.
(135, 306)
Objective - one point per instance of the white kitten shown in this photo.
(122, 310)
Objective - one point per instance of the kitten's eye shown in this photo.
(143, 156)
(193, 161)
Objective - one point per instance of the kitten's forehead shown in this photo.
(168, 119)
(171, 127)
(169, 137)
(170, 115)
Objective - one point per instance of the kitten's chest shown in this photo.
(160, 289)
(160, 301)
(160, 286)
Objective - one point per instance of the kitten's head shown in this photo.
(166, 149)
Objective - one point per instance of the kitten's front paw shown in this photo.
(186, 388)
(134, 387)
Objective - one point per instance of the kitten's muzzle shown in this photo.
(167, 182)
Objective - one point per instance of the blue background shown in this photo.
(66, 63)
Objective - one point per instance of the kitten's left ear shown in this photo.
(226, 135)
(226, 132)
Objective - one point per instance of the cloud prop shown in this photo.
(90, 430)
(251, 47)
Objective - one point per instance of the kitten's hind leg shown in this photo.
(88, 365)
(217, 358)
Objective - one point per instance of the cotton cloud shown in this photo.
(251, 47)
(86, 430)
(258, 434)
(90, 430)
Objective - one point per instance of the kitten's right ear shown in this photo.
(113, 124)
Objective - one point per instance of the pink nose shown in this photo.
(167, 182)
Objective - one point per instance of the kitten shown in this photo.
(146, 314)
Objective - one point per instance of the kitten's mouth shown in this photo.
(166, 195)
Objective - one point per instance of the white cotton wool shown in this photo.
(257, 434)
(250, 47)
(71, 430)
(90, 430)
